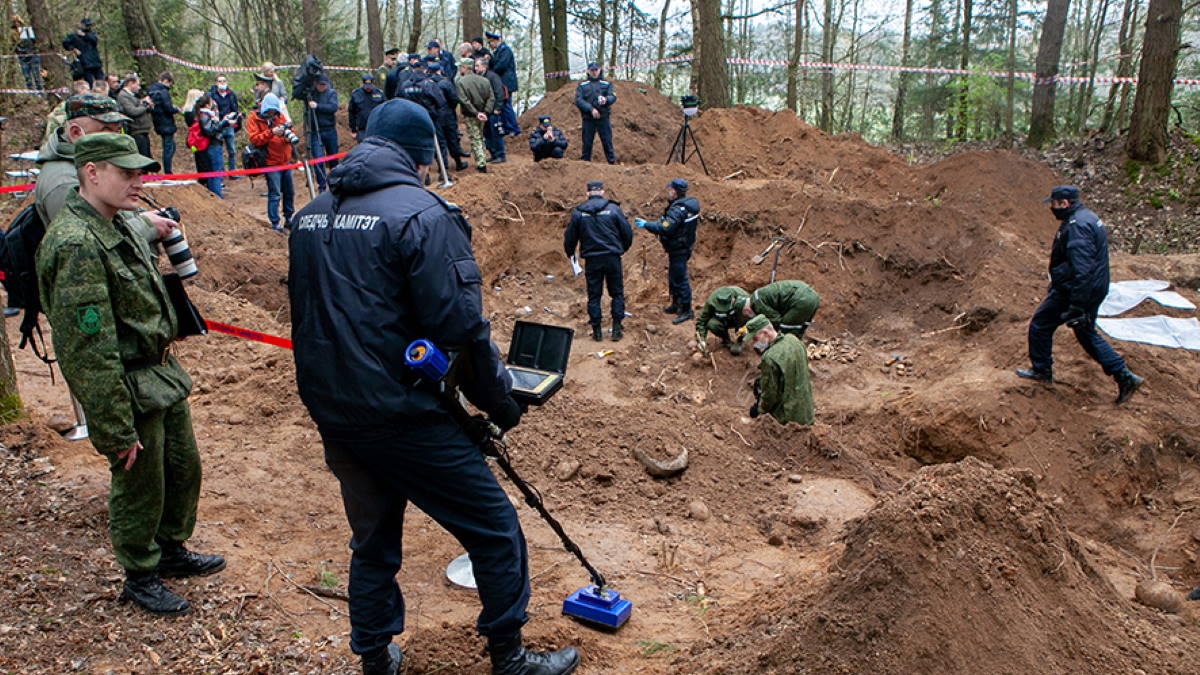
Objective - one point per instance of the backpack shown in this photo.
(254, 156)
(18, 247)
(196, 140)
(423, 92)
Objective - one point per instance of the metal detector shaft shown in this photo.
(488, 435)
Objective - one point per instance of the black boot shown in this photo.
(177, 561)
(384, 662)
(146, 590)
(1035, 374)
(1127, 383)
(510, 657)
(460, 165)
(597, 334)
(671, 309)
(617, 332)
(685, 314)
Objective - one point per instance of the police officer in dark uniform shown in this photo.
(677, 233)
(1078, 284)
(546, 141)
(599, 229)
(377, 261)
(420, 88)
(399, 76)
(362, 101)
(594, 98)
(447, 120)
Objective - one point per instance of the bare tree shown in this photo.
(793, 77)
(828, 41)
(47, 42)
(374, 33)
(472, 19)
(1011, 80)
(902, 88)
(662, 43)
(1147, 140)
(552, 20)
(1041, 120)
(311, 14)
(713, 85)
(964, 62)
(414, 33)
(1124, 67)
(142, 34)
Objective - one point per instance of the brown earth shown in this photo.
(749, 561)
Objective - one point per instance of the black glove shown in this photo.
(758, 387)
(507, 415)
(754, 410)
(1075, 317)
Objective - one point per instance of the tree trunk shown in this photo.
(10, 399)
(562, 58)
(602, 33)
(793, 76)
(1041, 119)
(374, 34)
(964, 62)
(694, 83)
(57, 74)
(902, 88)
(472, 20)
(662, 43)
(1124, 63)
(1011, 81)
(1147, 141)
(311, 16)
(137, 31)
(713, 87)
(616, 26)
(828, 40)
(414, 33)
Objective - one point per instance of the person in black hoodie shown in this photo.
(677, 234)
(1078, 284)
(600, 230)
(377, 262)
(84, 44)
(163, 114)
(322, 138)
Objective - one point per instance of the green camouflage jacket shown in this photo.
(786, 387)
(719, 313)
(789, 305)
(112, 320)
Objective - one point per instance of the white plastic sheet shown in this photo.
(1125, 295)
(1163, 331)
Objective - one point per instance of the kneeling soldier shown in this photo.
(784, 388)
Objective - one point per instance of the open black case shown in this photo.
(537, 360)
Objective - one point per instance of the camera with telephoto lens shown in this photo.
(289, 135)
(176, 246)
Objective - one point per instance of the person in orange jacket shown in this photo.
(270, 131)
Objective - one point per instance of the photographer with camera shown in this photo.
(227, 109)
(84, 44)
(133, 102)
(546, 141)
(320, 125)
(213, 127)
(268, 130)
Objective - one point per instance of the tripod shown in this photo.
(679, 149)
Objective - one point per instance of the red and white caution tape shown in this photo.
(247, 334)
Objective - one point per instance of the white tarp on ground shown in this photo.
(1125, 295)
(1163, 331)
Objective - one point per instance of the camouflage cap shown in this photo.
(466, 63)
(727, 300)
(755, 324)
(95, 106)
(117, 149)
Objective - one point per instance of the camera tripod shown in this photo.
(679, 149)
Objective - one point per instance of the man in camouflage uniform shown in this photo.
(783, 388)
(788, 305)
(476, 98)
(113, 327)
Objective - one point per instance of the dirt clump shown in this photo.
(964, 568)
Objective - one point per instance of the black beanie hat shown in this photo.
(407, 124)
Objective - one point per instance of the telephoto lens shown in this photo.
(180, 254)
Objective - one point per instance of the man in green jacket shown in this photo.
(476, 99)
(113, 328)
(723, 311)
(788, 305)
(783, 388)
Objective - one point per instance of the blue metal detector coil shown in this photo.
(426, 359)
(602, 607)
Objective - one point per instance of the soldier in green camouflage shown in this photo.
(783, 388)
(788, 305)
(722, 312)
(113, 326)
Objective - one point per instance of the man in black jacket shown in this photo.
(594, 98)
(677, 234)
(378, 262)
(84, 44)
(163, 114)
(362, 101)
(546, 140)
(227, 102)
(504, 64)
(446, 119)
(1078, 284)
(321, 127)
(599, 229)
(493, 131)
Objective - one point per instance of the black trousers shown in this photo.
(436, 467)
(591, 127)
(599, 270)
(143, 143)
(677, 277)
(1048, 317)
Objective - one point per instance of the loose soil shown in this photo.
(877, 540)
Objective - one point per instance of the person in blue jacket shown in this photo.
(677, 234)
(594, 98)
(377, 262)
(227, 108)
(602, 234)
(1078, 284)
(362, 101)
(320, 126)
(547, 141)
(505, 65)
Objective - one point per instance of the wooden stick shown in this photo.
(335, 593)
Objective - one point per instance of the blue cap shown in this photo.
(544, 119)
(678, 185)
(1067, 192)
(593, 66)
(432, 43)
(413, 56)
(270, 102)
(367, 77)
(407, 124)
(434, 65)
(594, 185)
(491, 36)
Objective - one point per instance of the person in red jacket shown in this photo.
(268, 129)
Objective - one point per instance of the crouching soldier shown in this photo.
(783, 388)
(113, 329)
(788, 305)
(721, 313)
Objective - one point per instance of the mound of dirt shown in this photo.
(963, 569)
(643, 121)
